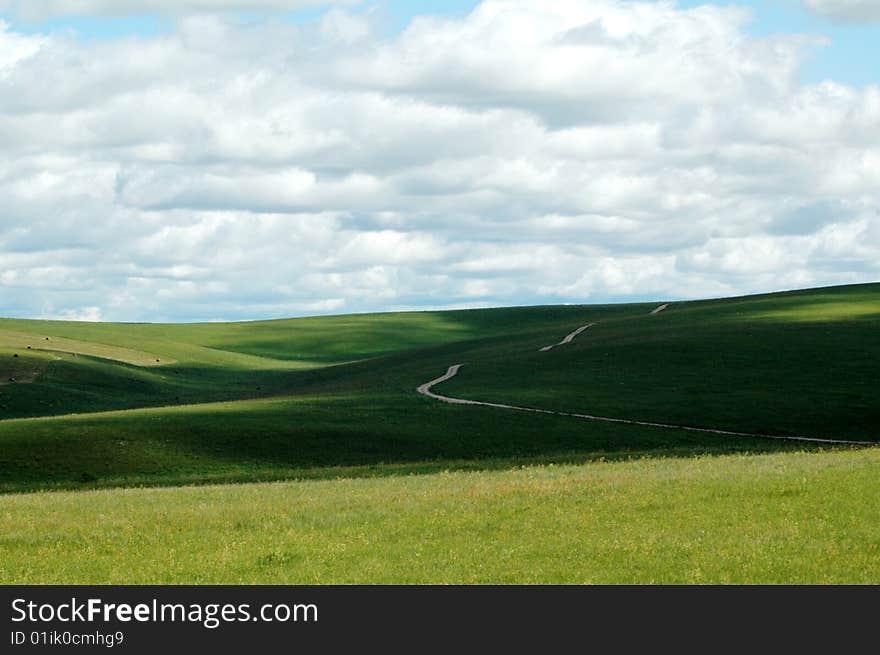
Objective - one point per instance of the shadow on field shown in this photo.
(801, 363)
(320, 437)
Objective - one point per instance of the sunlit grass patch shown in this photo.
(779, 518)
(825, 311)
(10, 339)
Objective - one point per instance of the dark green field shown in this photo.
(142, 405)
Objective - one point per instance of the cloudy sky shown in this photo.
(233, 159)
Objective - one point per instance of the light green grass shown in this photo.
(12, 340)
(781, 518)
(827, 311)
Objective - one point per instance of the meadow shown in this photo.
(772, 518)
(297, 450)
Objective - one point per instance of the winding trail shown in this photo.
(425, 390)
(568, 338)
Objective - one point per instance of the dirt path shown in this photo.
(568, 338)
(425, 390)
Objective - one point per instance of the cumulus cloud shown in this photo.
(42, 9)
(848, 10)
(85, 314)
(562, 151)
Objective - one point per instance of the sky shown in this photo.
(199, 160)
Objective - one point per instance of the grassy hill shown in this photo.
(137, 405)
(308, 397)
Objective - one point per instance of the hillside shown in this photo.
(380, 483)
(143, 404)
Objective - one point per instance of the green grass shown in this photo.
(329, 404)
(271, 410)
(735, 365)
(311, 437)
(780, 518)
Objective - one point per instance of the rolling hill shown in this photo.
(332, 399)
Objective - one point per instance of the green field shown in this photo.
(381, 484)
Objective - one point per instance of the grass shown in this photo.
(270, 410)
(771, 518)
(330, 404)
(309, 437)
(703, 366)
(36, 342)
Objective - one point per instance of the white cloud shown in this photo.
(14, 48)
(87, 314)
(848, 10)
(530, 152)
(42, 9)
